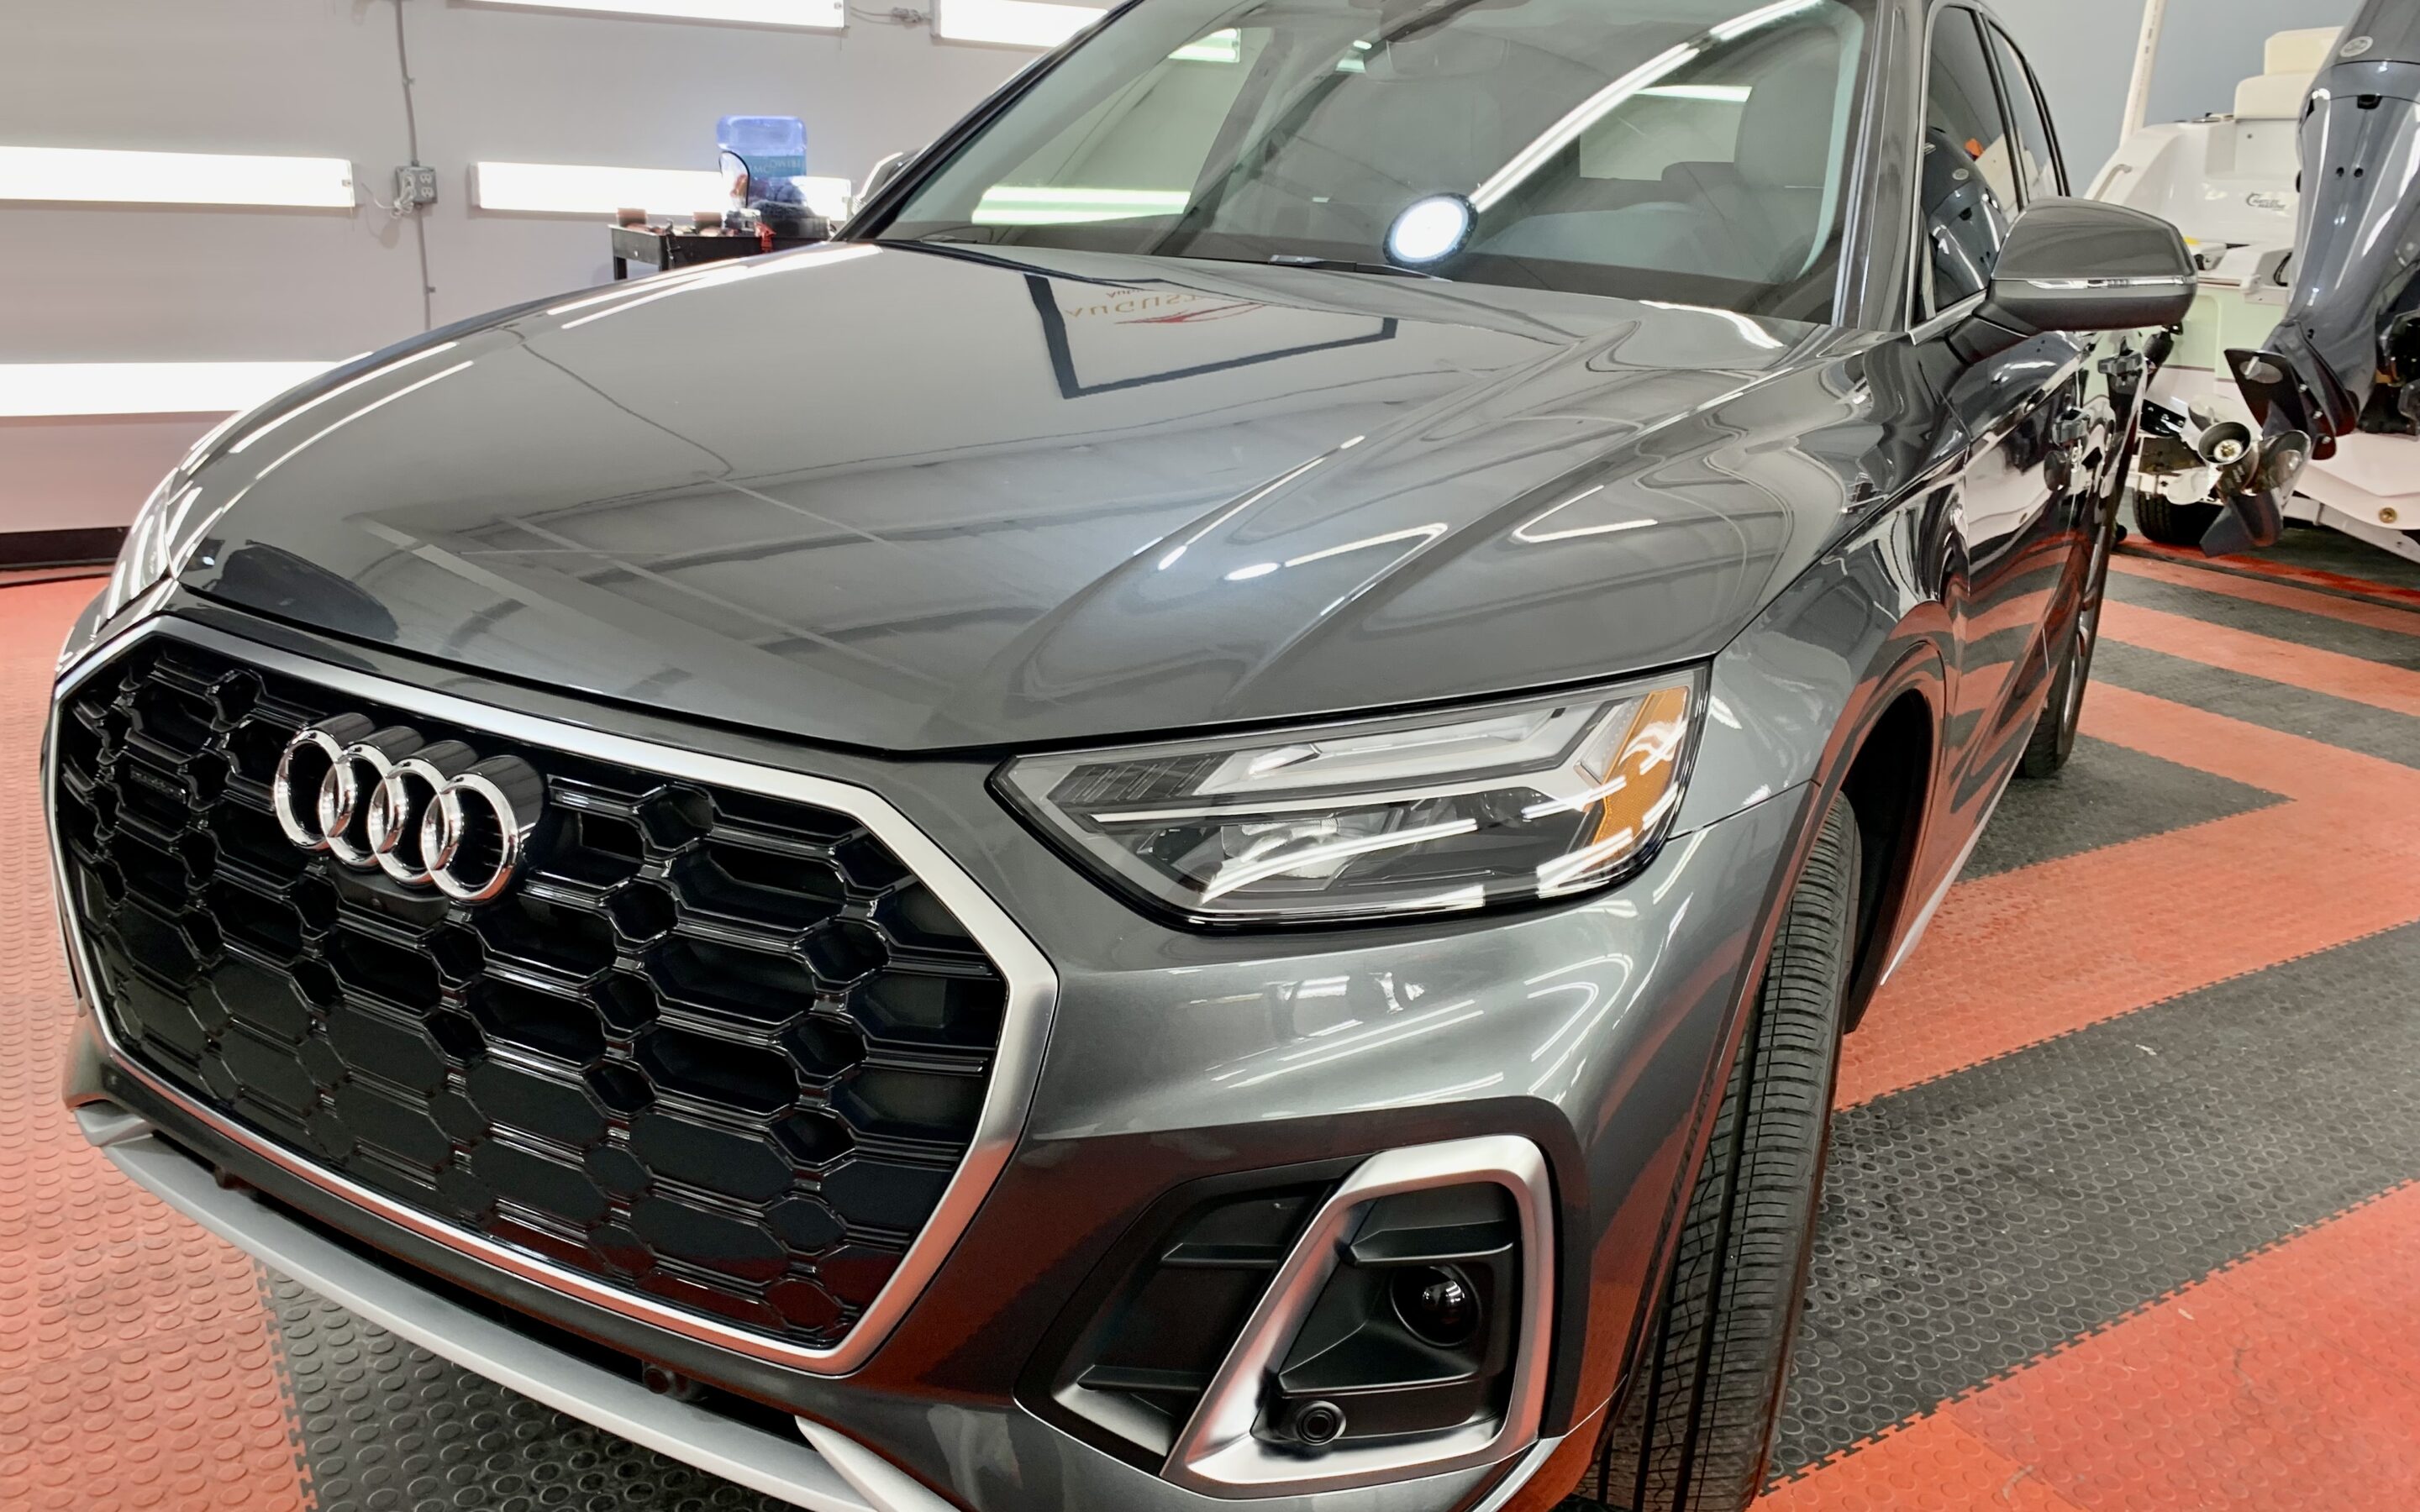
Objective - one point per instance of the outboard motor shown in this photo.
(2345, 356)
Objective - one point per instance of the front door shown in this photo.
(2018, 524)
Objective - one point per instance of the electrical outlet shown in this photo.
(415, 186)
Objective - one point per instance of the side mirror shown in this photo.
(2079, 265)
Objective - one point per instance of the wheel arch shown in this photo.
(1889, 781)
(1841, 684)
(1884, 754)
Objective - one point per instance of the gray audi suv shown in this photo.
(1193, 821)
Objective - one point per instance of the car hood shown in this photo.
(914, 499)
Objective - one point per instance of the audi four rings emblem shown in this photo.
(427, 813)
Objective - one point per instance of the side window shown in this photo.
(1968, 188)
(2037, 167)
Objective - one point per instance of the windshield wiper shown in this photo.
(1346, 264)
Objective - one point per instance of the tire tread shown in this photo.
(1694, 1434)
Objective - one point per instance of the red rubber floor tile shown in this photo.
(2339, 861)
(2290, 1380)
(2253, 567)
(1931, 1465)
(137, 1367)
(2404, 620)
(2380, 686)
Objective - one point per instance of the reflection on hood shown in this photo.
(1030, 502)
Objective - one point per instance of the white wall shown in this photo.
(322, 78)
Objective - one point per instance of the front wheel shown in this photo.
(2053, 736)
(1696, 1421)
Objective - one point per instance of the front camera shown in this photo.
(1317, 1424)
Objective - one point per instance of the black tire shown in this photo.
(2054, 736)
(2172, 524)
(1696, 1425)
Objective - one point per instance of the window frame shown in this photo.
(1922, 319)
(1997, 33)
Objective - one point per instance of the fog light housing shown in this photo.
(1405, 1334)
(1437, 1303)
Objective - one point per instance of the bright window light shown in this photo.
(821, 15)
(1730, 94)
(1039, 205)
(578, 189)
(146, 388)
(1011, 23)
(1226, 46)
(98, 173)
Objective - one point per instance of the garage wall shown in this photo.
(325, 78)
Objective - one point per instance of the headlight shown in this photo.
(1373, 820)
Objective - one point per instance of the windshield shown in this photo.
(1692, 150)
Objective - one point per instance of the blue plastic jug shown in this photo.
(773, 146)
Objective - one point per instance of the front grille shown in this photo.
(721, 1049)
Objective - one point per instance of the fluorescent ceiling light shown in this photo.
(820, 15)
(108, 176)
(580, 188)
(1043, 205)
(1011, 23)
(145, 388)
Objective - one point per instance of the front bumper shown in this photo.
(826, 1473)
(1592, 1030)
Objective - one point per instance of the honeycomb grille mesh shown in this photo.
(719, 1049)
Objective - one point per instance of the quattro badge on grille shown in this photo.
(427, 813)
